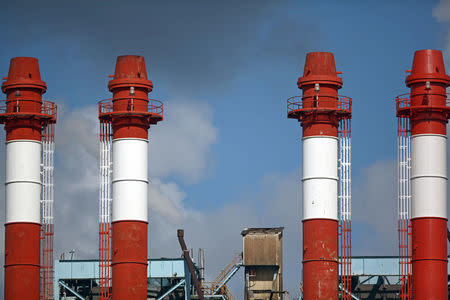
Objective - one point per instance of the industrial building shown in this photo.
(373, 277)
(123, 269)
(263, 261)
(79, 279)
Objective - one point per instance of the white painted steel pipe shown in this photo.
(320, 177)
(130, 179)
(23, 181)
(429, 175)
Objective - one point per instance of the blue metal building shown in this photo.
(78, 279)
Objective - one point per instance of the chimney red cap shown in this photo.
(130, 72)
(24, 73)
(428, 65)
(320, 68)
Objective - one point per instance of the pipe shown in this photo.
(187, 258)
(173, 288)
(428, 118)
(318, 113)
(130, 118)
(67, 287)
(201, 262)
(23, 89)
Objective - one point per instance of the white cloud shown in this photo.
(165, 200)
(180, 145)
(76, 173)
(76, 182)
(374, 210)
(441, 12)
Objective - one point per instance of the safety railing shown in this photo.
(154, 109)
(25, 107)
(104, 216)
(210, 287)
(404, 200)
(237, 259)
(227, 293)
(345, 207)
(47, 210)
(403, 103)
(298, 106)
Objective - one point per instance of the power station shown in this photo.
(124, 270)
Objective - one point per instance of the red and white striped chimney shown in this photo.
(131, 116)
(428, 118)
(319, 113)
(23, 125)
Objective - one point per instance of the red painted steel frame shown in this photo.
(131, 116)
(320, 112)
(129, 261)
(427, 110)
(24, 116)
(320, 259)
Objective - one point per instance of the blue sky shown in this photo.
(226, 154)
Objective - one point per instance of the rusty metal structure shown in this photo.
(263, 263)
(29, 124)
(325, 118)
(190, 264)
(423, 114)
(124, 123)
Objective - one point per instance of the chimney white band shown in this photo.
(320, 177)
(23, 181)
(130, 180)
(429, 176)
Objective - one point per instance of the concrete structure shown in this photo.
(320, 111)
(263, 263)
(24, 115)
(130, 114)
(427, 110)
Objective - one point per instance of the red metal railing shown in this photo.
(298, 106)
(104, 261)
(404, 204)
(403, 104)
(24, 107)
(155, 109)
(47, 262)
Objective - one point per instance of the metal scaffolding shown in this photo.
(345, 207)
(404, 207)
(47, 199)
(105, 199)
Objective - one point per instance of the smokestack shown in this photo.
(320, 110)
(201, 264)
(427, 111)
(131, 113)
(25, 116)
